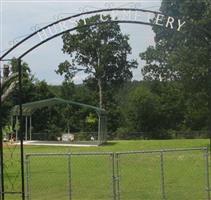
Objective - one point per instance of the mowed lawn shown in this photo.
(139, 174)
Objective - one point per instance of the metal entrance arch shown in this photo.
(158, 22)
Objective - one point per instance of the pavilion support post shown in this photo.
(30, 127)
(26, 128)
(16, 127)
(104, 128)
(99, 129)
(11, 121)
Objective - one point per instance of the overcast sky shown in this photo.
(19, 17)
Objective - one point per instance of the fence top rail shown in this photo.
(163, 150)
(70, 154)
(112, 153)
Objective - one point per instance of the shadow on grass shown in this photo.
(110, 143)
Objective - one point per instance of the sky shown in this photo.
(19, 18)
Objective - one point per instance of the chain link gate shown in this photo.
(148, 175)
(70, 176)
(166, 175)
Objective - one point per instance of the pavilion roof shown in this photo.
(30, 108)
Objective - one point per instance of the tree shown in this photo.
(27, 82)
(8, 83)
(180, 55)
(172, 104)
(10, 86)
(184, 56)
(152, 107)
(42, 91)
(142, 110)
(101, 51)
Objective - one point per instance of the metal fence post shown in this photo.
(117, 177)
(162, 176)
(206, 155)
(69, 177)
(27, 168)
(113, 176)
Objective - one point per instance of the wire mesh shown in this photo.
(185, 176)
(12, 172)
(91, 177)
(139, 176)
(70, 176)
(47, 178)
(167, 175)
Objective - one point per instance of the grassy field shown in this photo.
(140, 174)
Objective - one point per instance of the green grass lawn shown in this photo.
(140, 177)
(125, 145)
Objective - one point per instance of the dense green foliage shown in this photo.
(185, 58)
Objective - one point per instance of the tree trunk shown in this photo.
(8, 92)
(100, 93)
(7, 85)
(7, 80)
(99, 81)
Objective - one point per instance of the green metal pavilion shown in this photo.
(30, 108)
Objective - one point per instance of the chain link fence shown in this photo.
(142, 175)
